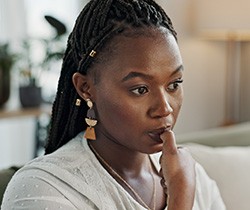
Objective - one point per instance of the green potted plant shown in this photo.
(30, 92)
(7, 60)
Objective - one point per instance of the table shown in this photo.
(24, 112)
(36, 112)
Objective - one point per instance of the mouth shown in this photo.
(156, 133)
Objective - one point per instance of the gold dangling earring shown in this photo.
(91, 121)
(78, 102)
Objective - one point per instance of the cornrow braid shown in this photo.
(96, 25)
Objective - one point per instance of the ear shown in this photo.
(83, 85)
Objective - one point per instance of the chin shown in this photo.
(156, 148)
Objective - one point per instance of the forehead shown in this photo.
(152, 46)
(143, 50)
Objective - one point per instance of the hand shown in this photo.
(178, 172)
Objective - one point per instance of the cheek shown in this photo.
(121, 120)
(116, 111)
(178, 104)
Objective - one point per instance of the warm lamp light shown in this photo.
(225, 15)
(227, 21)
(226, 35)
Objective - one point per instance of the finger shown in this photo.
(160, 173)
(164, 186)
(169, 143)
(160, 159)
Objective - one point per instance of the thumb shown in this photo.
(169, 143)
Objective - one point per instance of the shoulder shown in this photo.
(64, 163)
(56, 180)
(66, 158)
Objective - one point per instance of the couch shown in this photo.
(225, 155)
(5, 176)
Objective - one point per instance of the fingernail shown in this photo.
(166, 134)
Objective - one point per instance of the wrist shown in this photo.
(181, 194)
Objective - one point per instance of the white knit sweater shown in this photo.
(72, 178)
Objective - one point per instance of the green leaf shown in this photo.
(58, 25)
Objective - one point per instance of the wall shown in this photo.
(205, 65)
(245, 88)
(9, 17)
(16, 141)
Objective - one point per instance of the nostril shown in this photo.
(161, 109)
(168, 110)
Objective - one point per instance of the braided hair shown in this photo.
(97, 24)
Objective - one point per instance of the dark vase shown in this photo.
(4, 86)
(30, 96)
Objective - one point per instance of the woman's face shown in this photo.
(139, 93)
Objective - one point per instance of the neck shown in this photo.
(134, 168)
(125, 161)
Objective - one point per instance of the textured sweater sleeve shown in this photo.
(40, 192)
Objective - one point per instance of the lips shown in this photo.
(156, 133)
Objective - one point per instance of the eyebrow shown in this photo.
(134, 74)
(180, 68)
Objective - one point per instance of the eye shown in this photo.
(140, 90)
(174, 85)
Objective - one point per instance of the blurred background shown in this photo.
(214, 38)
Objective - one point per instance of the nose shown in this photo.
(161, 106)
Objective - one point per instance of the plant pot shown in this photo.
(30, 96)
(4, 86)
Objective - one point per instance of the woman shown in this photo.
(123, 72)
